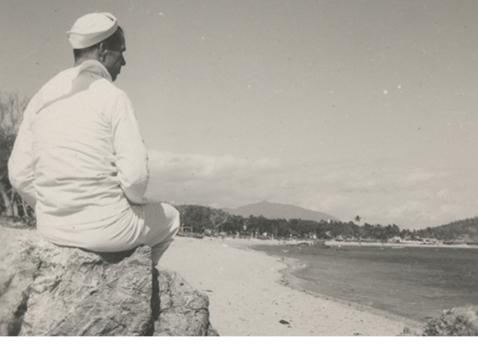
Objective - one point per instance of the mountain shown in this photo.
(279, 211)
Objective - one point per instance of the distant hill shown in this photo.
(466, 229)
(279, 211)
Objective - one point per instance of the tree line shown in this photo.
(205, 220)
(466, 229)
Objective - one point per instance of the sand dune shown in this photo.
(247, 297)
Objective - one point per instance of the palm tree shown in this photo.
(357, 220)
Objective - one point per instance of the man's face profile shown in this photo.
(114, 59)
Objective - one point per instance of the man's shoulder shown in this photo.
(111, 99)
(66, 77)
(62, 78)
(108, 89)
(53, 88)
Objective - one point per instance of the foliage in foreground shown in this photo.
(11, 115)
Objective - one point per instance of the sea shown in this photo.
(413, 282)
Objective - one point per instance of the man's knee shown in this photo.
(175, 218)
(177, 221)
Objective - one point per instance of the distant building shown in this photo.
(395, 240)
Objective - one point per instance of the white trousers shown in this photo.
(158, 223)
(153, 224)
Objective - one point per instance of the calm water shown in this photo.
(413, 282)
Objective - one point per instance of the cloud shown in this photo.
(220, 180)
(408, 196)
(184, 167)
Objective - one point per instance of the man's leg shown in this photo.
(161, 224)
(158, 250)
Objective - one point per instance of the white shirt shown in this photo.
(79, 157)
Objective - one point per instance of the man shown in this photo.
(79, 158)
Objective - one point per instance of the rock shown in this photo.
(461, 321)
(410, 332)
(51, 290)
(183, 310)
(17, 273)
(80, 293)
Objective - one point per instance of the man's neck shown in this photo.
(84, 58)
(94, 65)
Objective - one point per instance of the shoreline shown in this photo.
(386, 292)
(289, 279)
(244, 242)
(335, 243)
(254, 294)
(296, 283)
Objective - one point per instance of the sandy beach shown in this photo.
(248, 295)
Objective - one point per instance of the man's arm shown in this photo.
(20, 163)
(130, 152)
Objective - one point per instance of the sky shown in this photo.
(357, 107)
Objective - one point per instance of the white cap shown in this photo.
(90, 29)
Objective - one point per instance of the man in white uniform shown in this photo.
(79, 158)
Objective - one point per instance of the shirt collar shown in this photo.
(95, 67)
(63, 87)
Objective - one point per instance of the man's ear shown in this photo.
(102, 52)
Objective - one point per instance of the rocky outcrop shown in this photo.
(461, 321)
(17, 273)
(182, 310)
(50, 290)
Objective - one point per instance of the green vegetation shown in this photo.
(463, 230)
(204, 220)
(201, 219)
(11, 115)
